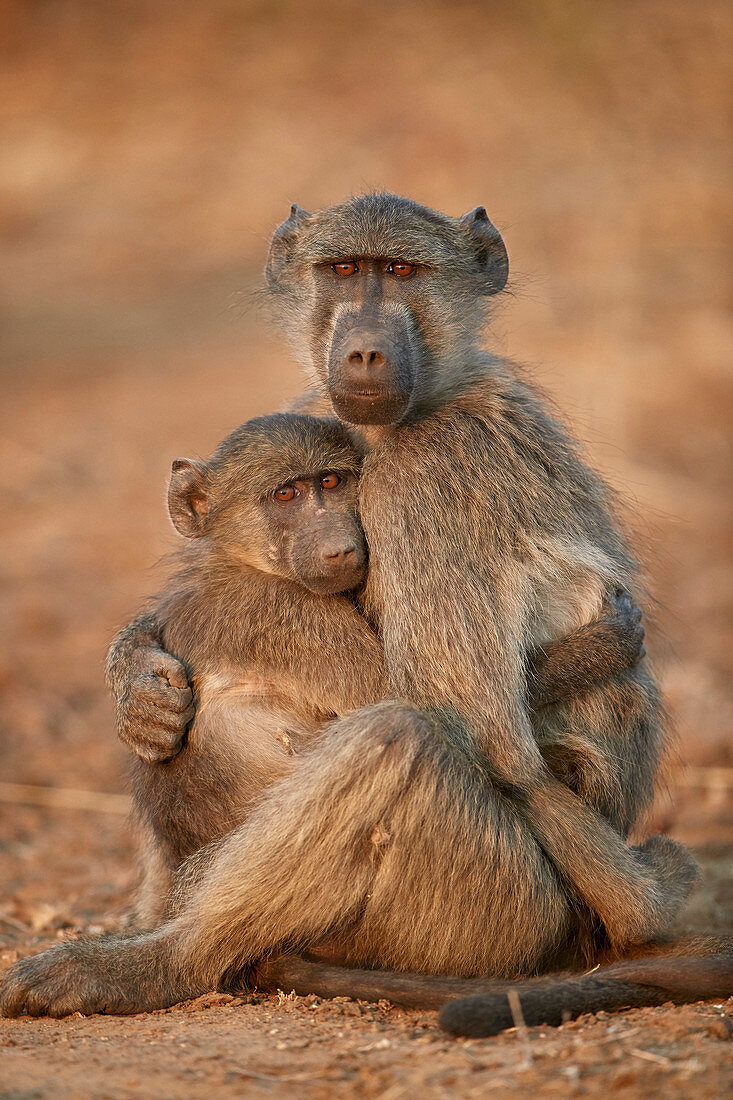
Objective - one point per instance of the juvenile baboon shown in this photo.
(429, 833)
(255, 609)
(273, 649)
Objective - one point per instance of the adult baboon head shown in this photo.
(381, 299)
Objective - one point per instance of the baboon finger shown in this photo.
(152, 689)
(146, 715)
(174, 672)
(151, 755)
(151, 744)
(154, 734)
(620, 603)
(168, 668)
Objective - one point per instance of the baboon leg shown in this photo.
(236, 748)
(163, 893)
(378, 802)
(636, 891)
(155, 885)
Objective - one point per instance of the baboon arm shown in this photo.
(151, 690)
(475, 668)
(589, 655)
(635, 892)
(630, 890)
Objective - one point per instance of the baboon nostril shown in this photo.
(374, 359)
(340, 555)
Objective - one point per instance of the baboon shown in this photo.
(274, 649)
(256, 610)
(450, 830)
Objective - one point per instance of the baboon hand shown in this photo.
(156, 706)
(105, 975)
(623, 617)
(674, 870)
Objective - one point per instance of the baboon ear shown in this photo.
(188, 498)
(283, 239)
(490, 248)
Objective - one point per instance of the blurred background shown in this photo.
(147, 150)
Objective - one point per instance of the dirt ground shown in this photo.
(144, 161)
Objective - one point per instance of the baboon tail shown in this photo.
(310, 975)
(631, 984)
(682, 971)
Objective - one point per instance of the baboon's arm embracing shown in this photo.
(562, 670)
(461, 646)
(154, 704)
(151, 689)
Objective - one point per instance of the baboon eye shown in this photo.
(331, 481)
(349, 267)
(401, 269)
(285, 493)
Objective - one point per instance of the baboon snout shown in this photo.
(370, 370)
(367, 364)
(338, 567)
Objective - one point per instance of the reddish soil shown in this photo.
(144, 161)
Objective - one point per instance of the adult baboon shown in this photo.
(499, 835)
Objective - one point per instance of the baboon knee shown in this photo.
(389, 731)
(189, 875)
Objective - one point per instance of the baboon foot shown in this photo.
(111, 974)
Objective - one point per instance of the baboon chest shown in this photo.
(491, 560)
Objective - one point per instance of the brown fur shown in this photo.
(270, 660)
(429, 833)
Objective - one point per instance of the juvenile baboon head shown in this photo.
(383, 300)
(278, 495)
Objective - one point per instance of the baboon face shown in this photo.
(279, 495)
(385, 295)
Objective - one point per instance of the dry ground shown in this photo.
(145, 159)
